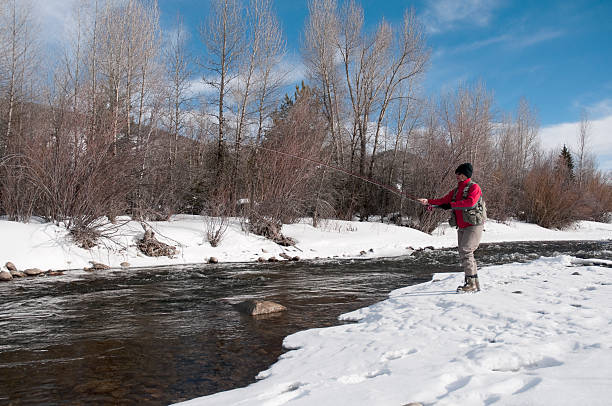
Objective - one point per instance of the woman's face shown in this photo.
(460, 177)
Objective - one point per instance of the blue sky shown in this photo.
(556, 54)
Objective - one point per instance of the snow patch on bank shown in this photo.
(49, 246)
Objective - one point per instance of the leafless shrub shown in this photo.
(516, 150)
(595, 197)
(287, 162)
(269, 228)
(551, 197)
(85, 237)
(429, 173)
(215, 229)
(18, 197)
(150, 246)
(216, 219)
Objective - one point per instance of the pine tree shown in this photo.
(566, 160)
(301, 90)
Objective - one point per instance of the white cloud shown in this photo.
(55, 19)
(443, 15)
(508, 40)
(600, 141)
(535, 38)
(170, 34)
(197, 87)
(601, 109)
(293, 69)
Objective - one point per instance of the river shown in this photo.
(161, 335)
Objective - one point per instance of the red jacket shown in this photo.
(472, 198)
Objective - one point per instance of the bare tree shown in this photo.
(320, 51)
(363, 71)
(148, 68)
(585, 160)
(223, 38)
(526, 139)
(17, 41)
(270, 75)
(285, 185)
(516, 150)
(258, 17)
(178, 72)
(406, 64)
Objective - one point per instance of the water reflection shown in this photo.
(158, 336)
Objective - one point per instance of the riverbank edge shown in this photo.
(49, 247)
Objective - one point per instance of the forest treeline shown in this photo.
(127, 119)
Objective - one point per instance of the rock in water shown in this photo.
(33, 272)
(5, 276)
(257, 307)
(11, 267)
(96, 266)
(99, 266)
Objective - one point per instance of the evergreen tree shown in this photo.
(282, 112)
(567, 162)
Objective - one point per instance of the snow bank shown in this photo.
(539, 334)
(48, 246)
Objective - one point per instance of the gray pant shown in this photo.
(468, 240)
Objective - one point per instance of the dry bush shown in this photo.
(18, 196)
(596, 198)
(81, 179)
(269, 228)
(286, 164)
(551, 197)
(504, 197)
(150, 246)
(161, 183)
(85, 237)
(429, 174)
(216, 219)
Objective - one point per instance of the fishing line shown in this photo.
(364, 178)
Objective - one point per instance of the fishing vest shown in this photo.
(475, 215)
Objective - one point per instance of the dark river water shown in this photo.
(162, 335)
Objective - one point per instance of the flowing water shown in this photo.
(161, 335)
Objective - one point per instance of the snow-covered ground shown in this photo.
(538, 334)
(48, 246)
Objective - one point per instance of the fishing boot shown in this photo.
(471, 285)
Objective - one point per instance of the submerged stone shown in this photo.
(257, 307)
(97, 266)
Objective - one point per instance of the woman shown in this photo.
(469, 215)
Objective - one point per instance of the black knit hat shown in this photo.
(465, 169)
